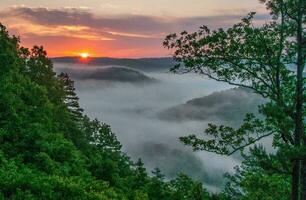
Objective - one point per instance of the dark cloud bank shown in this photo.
(149, 118)
(151, 26)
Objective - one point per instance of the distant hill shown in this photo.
(230, 105)
(114, 74)
(143, 64)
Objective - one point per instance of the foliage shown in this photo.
(259, 177)
(267, 59)
(51, 150)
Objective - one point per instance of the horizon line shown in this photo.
(94, 57)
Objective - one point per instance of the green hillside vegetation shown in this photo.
(51, 150)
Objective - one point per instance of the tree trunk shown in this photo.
(299, 122)
(295, 192)
(303, 180)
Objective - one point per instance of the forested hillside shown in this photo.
(51, 150)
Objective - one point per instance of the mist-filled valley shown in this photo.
(150, 108)
(153, 100)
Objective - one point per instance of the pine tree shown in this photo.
(71, 99)
(157, 188)
(141, 176)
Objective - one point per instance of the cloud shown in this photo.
(173, 159)
(77, 19)
(142, 34)
(131, 111)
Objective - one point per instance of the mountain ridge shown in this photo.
(226, 105)
(144, 64)
(112, 74)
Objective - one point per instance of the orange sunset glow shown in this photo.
(115, 31)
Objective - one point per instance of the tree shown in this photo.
(141, 176)
(184, 188)
(157, 188)
(257, 58)
(71, 99)
(259, 177)
(37, 161)
(141, 196)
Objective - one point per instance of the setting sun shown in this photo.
(84, 55)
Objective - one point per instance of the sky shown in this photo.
(116, 28)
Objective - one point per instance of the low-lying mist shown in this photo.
(133, 110)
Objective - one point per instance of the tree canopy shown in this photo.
(269, 60)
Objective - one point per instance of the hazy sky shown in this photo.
(116, 28)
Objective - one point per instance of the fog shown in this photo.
(132, 111)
